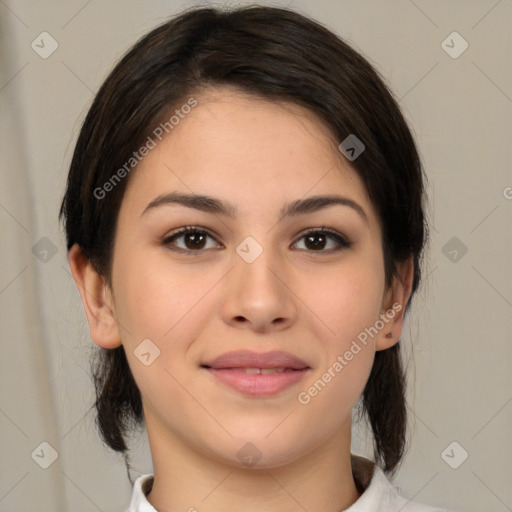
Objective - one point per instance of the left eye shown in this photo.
(318, 240)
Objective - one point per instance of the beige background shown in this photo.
(461, 327)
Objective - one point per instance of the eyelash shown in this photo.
(342, 242)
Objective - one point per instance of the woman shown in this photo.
(245, 223)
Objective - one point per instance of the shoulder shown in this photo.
(141, 488)
(378, 493)
(405, 505)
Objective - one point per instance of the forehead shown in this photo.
(251, 151)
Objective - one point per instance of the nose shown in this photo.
(258, 296)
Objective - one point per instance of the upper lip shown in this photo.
(248, 359)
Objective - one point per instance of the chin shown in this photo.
(263, 453)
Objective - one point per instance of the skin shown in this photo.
(258, 156)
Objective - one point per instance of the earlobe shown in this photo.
(393, 307)
(96, 299)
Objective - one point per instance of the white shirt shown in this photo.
(378, 494)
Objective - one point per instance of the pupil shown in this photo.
(315, 241)
(194, 240)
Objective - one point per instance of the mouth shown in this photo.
(257, 374)
(253, 371)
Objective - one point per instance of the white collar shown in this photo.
(378, 494)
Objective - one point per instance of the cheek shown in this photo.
(156, 298)
(170, 309)
(345, 301)
(330, 398)
(348, 306)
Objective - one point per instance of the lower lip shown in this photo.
(258, 384)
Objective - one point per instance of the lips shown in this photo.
(257, 374)
(262, 360)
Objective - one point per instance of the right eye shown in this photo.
(190, 239)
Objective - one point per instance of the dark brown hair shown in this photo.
(274, 54)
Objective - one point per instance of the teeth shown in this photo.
(251, 370)
(272, 370)
(264, 371)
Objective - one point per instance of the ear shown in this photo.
(96, 298)
(393, 306)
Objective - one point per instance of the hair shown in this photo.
(274, 54)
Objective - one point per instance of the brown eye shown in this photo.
(323, 240)
(190, 240)
(194, 240)
(315, 241)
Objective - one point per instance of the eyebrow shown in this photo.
(214, 205)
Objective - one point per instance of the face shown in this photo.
(247, 278)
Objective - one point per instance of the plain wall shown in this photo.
(459, 332)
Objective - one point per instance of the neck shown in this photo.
(186, 480)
